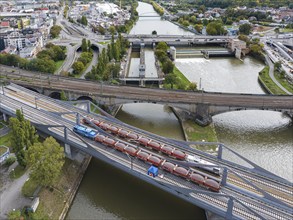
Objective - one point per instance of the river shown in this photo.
(264, 137)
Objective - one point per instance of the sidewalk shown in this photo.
(10, 192)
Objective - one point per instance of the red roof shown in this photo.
(4, 24)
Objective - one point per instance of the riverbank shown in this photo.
(56, 199)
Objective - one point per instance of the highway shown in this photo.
(15, 97)
(91, 88)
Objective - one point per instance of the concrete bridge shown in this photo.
(201, 105)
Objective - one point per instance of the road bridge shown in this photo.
(201, 105)
(246, 193)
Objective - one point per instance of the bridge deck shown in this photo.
(247, 204)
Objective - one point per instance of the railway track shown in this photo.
(273, 192)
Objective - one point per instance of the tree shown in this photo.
(154, 32)
(84, 45)
(198, 28)
(77, 67)
(162, 46)
(277, 66)
(192, 86)
(245, 29)
(89, 45)
(55, 31)
(83, 20)
(23, 136)
(112, 30)
(168, 66)
(46, 160)
(170, 79)
(63, 96)
(216, 28)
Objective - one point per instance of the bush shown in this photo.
(9, 161)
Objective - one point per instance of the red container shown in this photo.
(212, 184)
(142, 155)
(179, 154)
(97, 122)
(122, 133)
(155, 145)
(130, 150)
(104, 125)
(155, 160)
(167, 149)
(196, 178)
(181, 171)
(110, 142)
(168, 166)
(120, 146)
(99, 138)
(132, 136)
(113, 129)
(144, 141)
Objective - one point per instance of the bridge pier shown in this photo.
(202, 116)
(77, 118)
(229, 213)
(220, 151)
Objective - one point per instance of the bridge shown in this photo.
(246, 192)
(201, 105)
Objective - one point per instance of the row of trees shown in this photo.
(45, 159)
(216, 28)
(158, 8)
(255, 47)
(85, 57)
(53, 52)
(107, 68)
(82, 20)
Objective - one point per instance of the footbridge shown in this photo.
(247, 192)
(201, 105)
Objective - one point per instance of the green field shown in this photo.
(58, 64)
(5, 140)
(284, 82)
(269, 83)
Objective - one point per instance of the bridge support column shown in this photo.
(67, 151)
(229, 213)
(220, 151)
(77, 118)
(88, 107)
(5, 117)
(224, 177)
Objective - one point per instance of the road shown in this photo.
(15, 97)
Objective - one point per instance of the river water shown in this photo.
(262, 136)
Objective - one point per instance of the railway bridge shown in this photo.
(200, 105)
(247, 192)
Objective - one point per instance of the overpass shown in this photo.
(201, 105)
(246, 193)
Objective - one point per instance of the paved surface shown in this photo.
(10, 192)
(271, 73)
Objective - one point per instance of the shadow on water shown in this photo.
(108, 193)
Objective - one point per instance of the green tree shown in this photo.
(245, 29)
(23, 136)
(171, 79)
(63, 96)
(277, 66)
(77, 67)
(84, 45)
(216, 28)
(83, 20)
(154, 32)
(192, 86)
(162, 46)
(89, 45)
(55, 31)
(112, 30)
(46, 160)
(168, 66)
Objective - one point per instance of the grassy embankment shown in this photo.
(54, 198)
(284, 82)
(193, 131)
(268, 83)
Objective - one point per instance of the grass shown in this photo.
(104, 42)
(269, 83)
(182, 81)
(2, 150)
(5, 140)
(17, 172)
(1, 125)
(52, 199)
(94, 109)
(195, 132)
(58, 64)
(29, 188)
(284, 82)
(286, 30)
